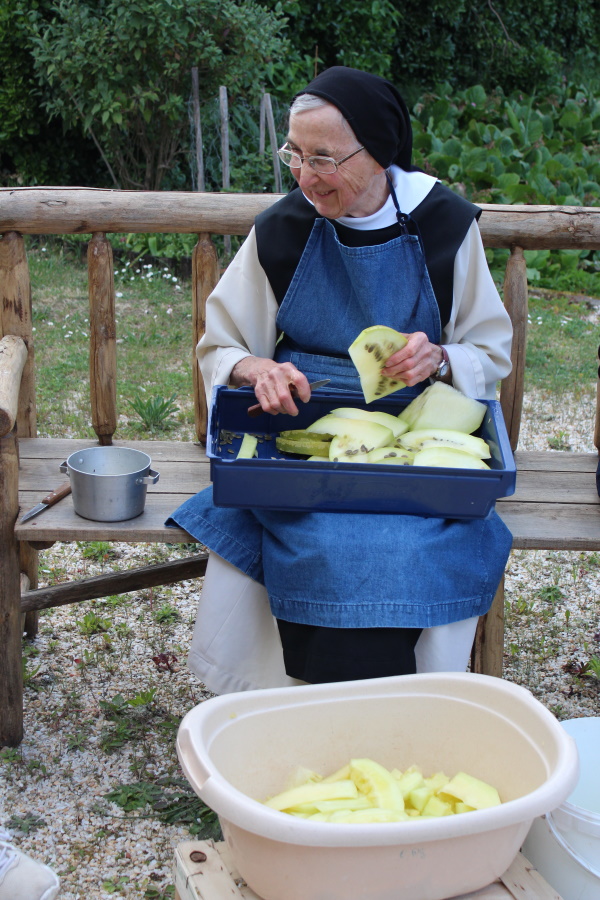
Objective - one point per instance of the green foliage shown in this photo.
(93, 624)
(155, 412)
(166, 614)
(461, 41)
(170, 800)
(516, 149)
(326, 33)
(32, 149)
(122, 71)
(28, 822)
(99, 551)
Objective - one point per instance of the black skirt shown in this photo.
(316, 654)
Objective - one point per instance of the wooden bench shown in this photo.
(555, 506)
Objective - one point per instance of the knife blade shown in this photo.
(257, 408)
(50, 500)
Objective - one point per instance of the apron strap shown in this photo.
(403, 218)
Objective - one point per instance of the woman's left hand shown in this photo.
(417, 360)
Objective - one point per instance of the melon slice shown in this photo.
(345, 448)
(247, 447)
(472, 791)
(303, 447)
(396, 425)
(442, 406)
(369, 353)
(371, 434)
(445, 437)
(447, 457)
(391, 455)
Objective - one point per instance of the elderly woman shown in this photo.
(363, 239)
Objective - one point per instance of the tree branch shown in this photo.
(503, 26)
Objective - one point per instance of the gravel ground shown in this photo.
(106, 684)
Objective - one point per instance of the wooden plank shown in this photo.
(55, 448)
(216, 878)
(13, 356)
(559, 487)
(487, 655)
(551, 526)
(516, 303)
(61, 523)
(555, 461)
(16, 319)
(11, 629)
(205, 276)
(175, 477)
(209, 878)
(116, 583)
(524, 880)
(103, 337)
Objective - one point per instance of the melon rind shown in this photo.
(448, 458)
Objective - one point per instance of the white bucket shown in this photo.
(564, 845)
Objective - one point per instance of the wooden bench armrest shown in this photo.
(13, 356)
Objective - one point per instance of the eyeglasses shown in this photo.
(324, 165)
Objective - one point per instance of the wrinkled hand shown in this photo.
(416, 361)
(273, 383)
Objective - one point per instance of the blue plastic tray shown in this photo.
(274, 480)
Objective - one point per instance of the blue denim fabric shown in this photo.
(337, 291)
(341, 569)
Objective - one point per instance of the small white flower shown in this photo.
(119, 294)
(169, 310)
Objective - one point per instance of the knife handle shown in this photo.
(254, 411)
(58, 494)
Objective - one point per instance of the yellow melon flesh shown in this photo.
(369, 353)
(442, 406)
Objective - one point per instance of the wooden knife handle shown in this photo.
(255, 410)
(58, 494)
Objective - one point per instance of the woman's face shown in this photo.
(358, 188)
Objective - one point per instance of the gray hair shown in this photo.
(306, 102)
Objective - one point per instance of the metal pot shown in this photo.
(109, 483)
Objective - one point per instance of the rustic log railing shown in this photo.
(572, 522)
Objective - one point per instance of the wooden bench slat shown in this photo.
(61, 448)
(547, 526)
(555, 461)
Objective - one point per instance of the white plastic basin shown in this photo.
(238, 749)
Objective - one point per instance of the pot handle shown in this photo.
(63, 468)
(151, 478)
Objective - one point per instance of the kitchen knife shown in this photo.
(257, 408)
(50, 500)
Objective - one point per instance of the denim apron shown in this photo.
(346, 570)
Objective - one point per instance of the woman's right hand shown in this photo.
(273, 383)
